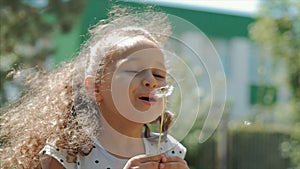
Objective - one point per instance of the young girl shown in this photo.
(95, 111)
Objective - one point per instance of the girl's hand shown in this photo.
(159, 161)
(144, 162)
(173, 162)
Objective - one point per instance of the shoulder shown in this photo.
(169, 145)
(174, 147)
(54, 164)
(50, 152)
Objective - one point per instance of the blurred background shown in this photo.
(258, 43)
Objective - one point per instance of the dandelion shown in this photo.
(162, 92)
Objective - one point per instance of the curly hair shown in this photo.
(56, 107)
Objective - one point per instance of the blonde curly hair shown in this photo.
(56, 107)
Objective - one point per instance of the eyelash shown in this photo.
(132, 71)
(154, 74)
(159, 76)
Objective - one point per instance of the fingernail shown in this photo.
(164, 159)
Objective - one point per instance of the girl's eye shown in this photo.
(132, 71)
(159, 76)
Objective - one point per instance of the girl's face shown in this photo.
(129, 83)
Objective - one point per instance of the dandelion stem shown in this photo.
(161, 125)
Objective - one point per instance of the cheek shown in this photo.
(122, 86)
(162, 82)
(123, 94)
(125, 82)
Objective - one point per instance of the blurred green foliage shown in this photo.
(27, 27)
(201, 156)
(277, 29)
(257, 147)
(252, 147)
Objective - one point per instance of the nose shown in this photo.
(149, 80)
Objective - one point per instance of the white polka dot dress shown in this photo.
(99, 158)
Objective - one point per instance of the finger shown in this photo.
(173, 165)
(146, 158)
(147, 165)
(173, 159)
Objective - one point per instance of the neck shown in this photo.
(120, 136)
(123, 125)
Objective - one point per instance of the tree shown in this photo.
(27, 27)
(277, 29)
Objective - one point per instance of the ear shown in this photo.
(92, 89)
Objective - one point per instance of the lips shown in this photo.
(148, 99)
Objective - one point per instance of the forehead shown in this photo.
(147, 58)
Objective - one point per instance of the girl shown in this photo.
(95, 111)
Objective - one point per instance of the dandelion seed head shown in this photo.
(164, 91)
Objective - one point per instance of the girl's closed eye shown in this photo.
(132, 71)
(159, 75)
